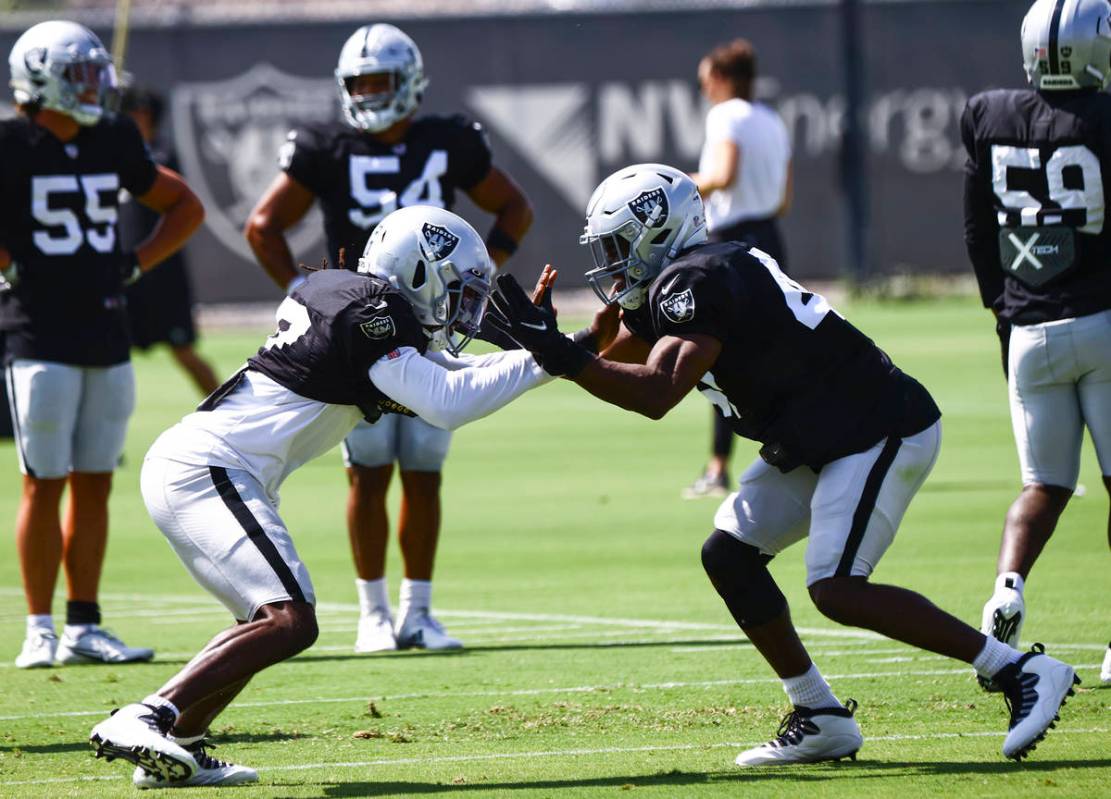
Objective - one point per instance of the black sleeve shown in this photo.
(300, 157)
(688, 303)
(981, 229)
(371, 332)
(470, 159)
(136, 166)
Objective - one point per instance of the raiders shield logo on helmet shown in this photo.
(378, 328)
(441, 241)
(679, 307)
(644, 207)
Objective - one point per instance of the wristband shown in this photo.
(498, 239)
(586, 339)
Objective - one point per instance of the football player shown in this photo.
(847, 441)
(63, 162)
(379, 158)
(348, 346)
(1038, 239)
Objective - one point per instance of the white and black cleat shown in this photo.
(1035, 688)
(1002, 619)
(1105, 670)
(210, 772)
(419, 629)
(809, 735)
(375, 632)
(137, 733)
(99, 645)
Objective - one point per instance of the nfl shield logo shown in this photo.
(228, 135)
(679, 307)
(644, 206)
(441, 241)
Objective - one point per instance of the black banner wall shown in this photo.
(568, 98)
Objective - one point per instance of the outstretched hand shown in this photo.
(491, 332)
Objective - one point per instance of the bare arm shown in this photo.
(725, 161)
(627, 348)
(674, 367)
(283, 205)
(501, 196)
(182, 213)
(788, 191)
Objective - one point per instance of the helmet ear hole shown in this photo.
(419, 276)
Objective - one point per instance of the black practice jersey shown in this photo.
(792, 373)
(359, 180)
(1035, 182)
(331, 330)
(58, 214)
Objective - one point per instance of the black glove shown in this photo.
(489, 333)
(129, 267)
(534, 328)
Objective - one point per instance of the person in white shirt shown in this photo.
(348, 346)
(744, 176)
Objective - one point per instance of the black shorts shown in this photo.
(763, 234)
(160, 307)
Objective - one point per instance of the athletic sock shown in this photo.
(156, 701)
(415, 594)
(40, 621)
(994, 656)
(1012, 580)
(373, 595)
(810, 690)
(78, 612)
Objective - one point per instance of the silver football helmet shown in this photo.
(63, 66)
(1066, 44)
(637, 222)
(385, 50)
(439, 263)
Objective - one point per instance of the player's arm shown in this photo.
(283, 205)
(181, 214)
(500, 195)
(449, 398)
(788, 191)
(724, 163)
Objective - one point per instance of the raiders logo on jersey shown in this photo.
(379, 327)
(650, 207)
(679, 307)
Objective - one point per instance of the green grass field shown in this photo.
(600, 661)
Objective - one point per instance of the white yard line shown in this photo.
(574, 689)
(554, 753)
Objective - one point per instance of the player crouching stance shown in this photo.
(348, 346)
(847, 441)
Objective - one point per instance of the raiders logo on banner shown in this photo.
(679, 307)
(228, 136)
(379, 327)
(644, 206)
(441, 241)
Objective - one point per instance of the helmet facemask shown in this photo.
(393, 60)
(457, 311)
(617, 257)
(78, 83)
(375, 111)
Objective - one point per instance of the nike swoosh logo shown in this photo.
(540, 326)
(381, 304)
(670, 283)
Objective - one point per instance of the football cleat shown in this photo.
(38, 649)
(418, 629)
(1035, 687)
(375, 632)
(707, 485)
(137, 733)
(1002, 619)
(210, 772)
(98, 645)
(1105, 672)
(809, 736)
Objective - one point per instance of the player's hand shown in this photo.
(605, 325)
(130, 271)
(542, 293)
(9, 276)
(534, 328)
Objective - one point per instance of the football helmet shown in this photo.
(637, 222)
(1067, 45)
(386, 50)
(440, 265)
(63, 66)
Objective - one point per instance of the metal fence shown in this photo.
(570, 96)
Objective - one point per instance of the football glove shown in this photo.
(534, 328)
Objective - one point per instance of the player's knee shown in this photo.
(739, 573)
(370, 482)
(834, 598)
(294, 627)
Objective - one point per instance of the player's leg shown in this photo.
(768, 513)
(107, 400)
(231, 539)
(1043, 369)
(714, 480)
(422, 450)
(856, 510)
(197, 368)
(44, 401)
(369, 452)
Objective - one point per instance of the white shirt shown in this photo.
(269, 431)
(759, 186)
